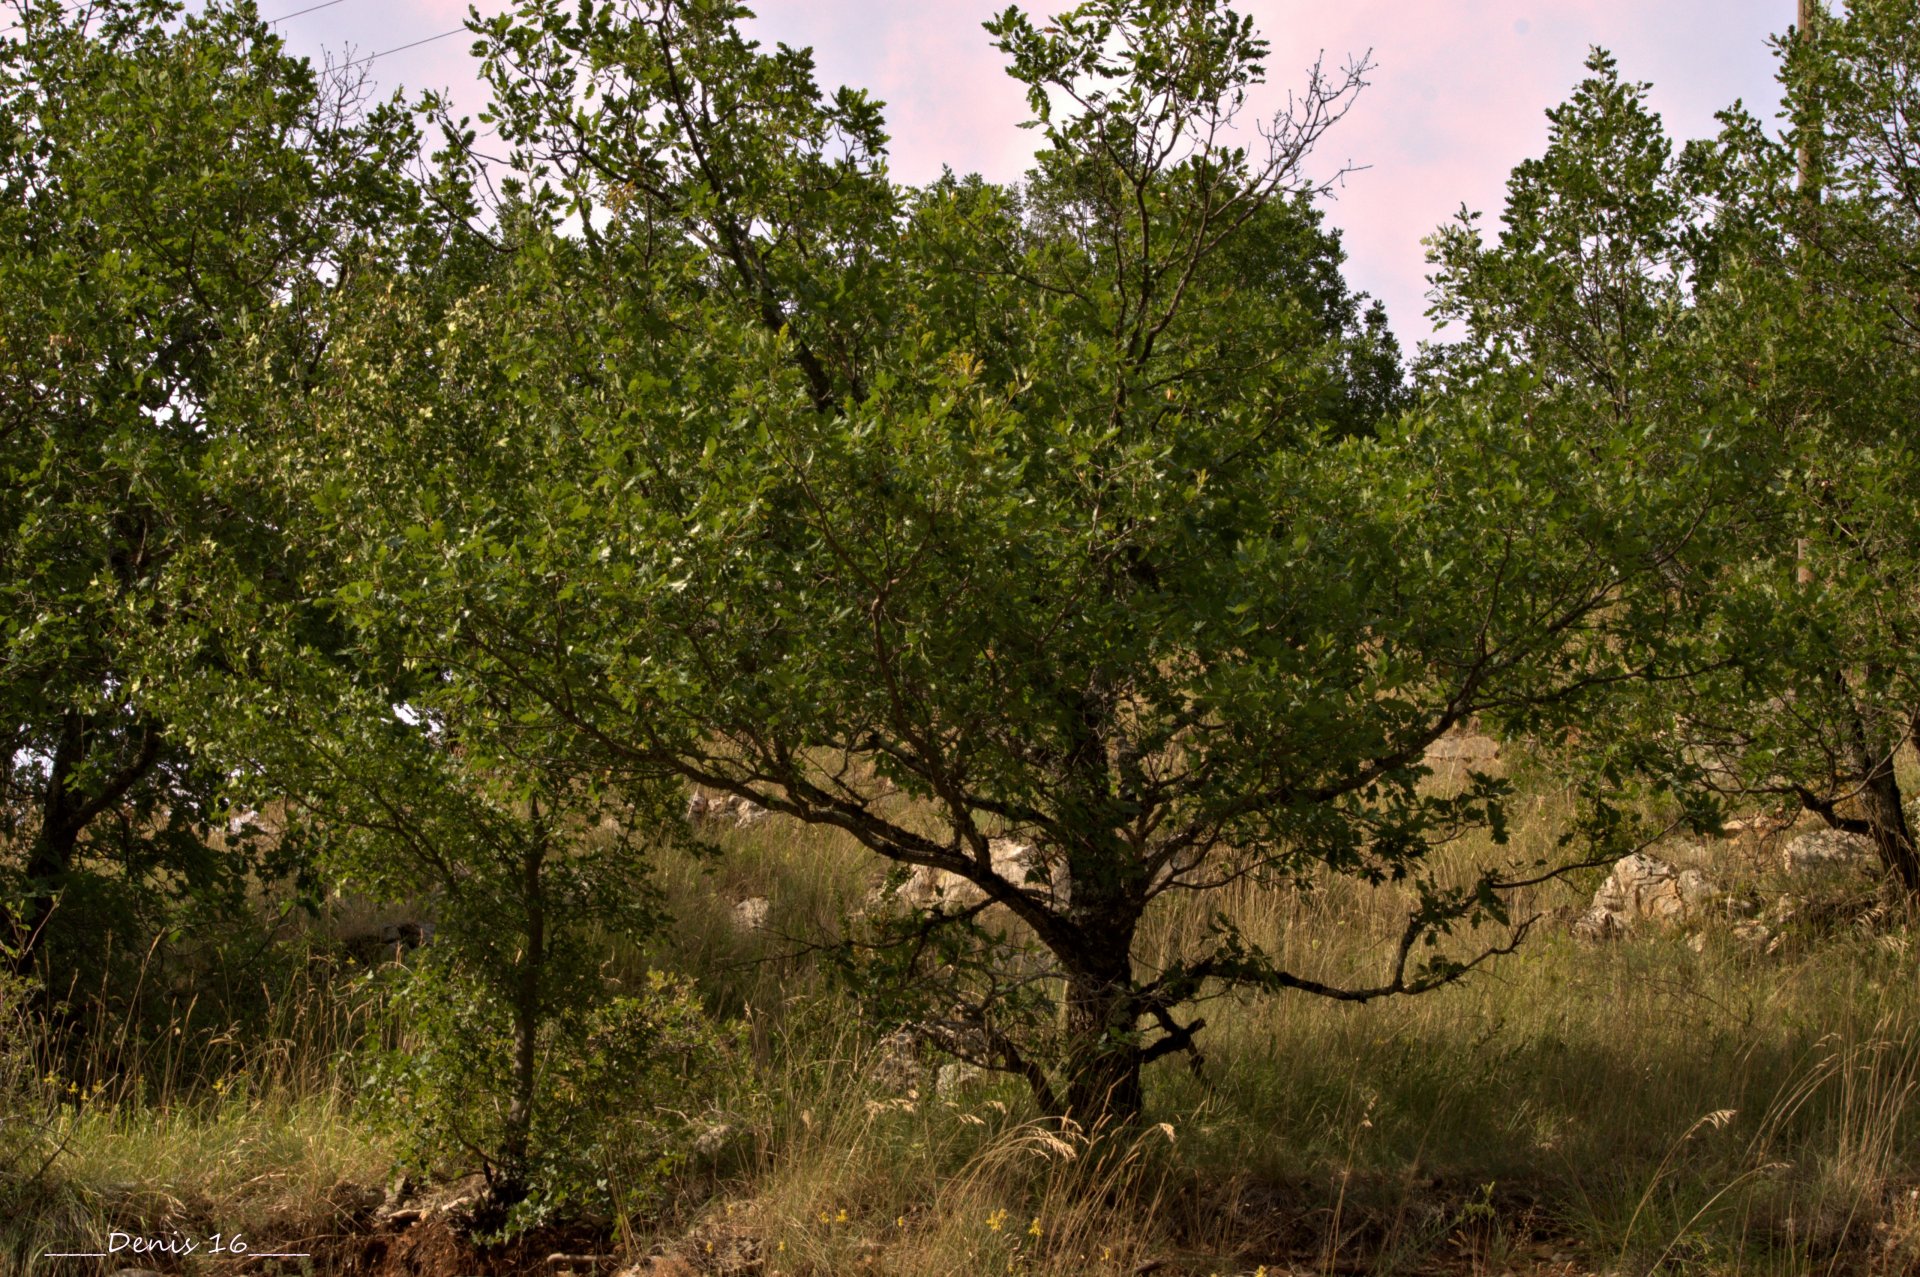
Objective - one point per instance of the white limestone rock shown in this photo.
(1644, 891)
(1830, 853)
(930, 890)
(750, 915)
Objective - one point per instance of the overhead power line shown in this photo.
(300, 13)
(402, 48)
(315, 8)
(297, 13)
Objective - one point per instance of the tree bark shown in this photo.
(517, 1146)
(1100, 1011)
(1103, 1054)
(51, 859)
(1880, 800)
(1806, 180)
(1892, 837)
(65, 812)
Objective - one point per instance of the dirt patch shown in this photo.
(432, 1248)
(1369, 1224)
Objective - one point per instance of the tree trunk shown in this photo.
(65, 813)
(1102, 1058)
(517, 1146)
(51, 859)
(1891, 835)
(1100, 1013)
(1880, 797)
(1806, 180)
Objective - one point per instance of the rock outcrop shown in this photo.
(956, 1078)
(724, 809)
(1467, 748)
(390, 942)
(751, 914)
(1645, 891)
(897, 1067)
(1830, 852)
(1021, 864)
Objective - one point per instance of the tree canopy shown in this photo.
(1088, 515)
(174, 190)
(1081, 540)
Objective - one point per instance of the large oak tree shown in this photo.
(1086, 513)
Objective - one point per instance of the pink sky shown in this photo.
(1456, 99)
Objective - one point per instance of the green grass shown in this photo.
(275, 1168)
(191, 1125)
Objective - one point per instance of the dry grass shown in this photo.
(228, 1116)
(1635, 1108)
(1643, 1106)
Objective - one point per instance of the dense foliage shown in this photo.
(175, 189)
(1068, 545)
(1081, 515)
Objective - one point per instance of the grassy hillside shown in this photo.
(1677, 1101)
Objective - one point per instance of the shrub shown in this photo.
(631, 1086)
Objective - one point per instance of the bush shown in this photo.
(631, 1086)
